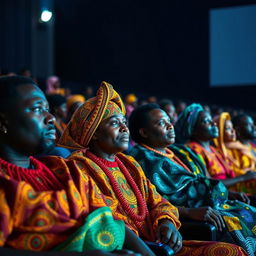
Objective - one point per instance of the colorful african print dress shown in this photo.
(193, 189)
(34, 216)
(216, 166)
(158, 207)
(238, 157)
(242, 157)
(222, 168)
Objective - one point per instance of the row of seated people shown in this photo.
(181, 174)
(237, 156)
(201, 213)
(99, 198)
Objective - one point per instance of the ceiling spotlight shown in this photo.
(46, 15)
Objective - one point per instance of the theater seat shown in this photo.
(198, 230)
(160, 249)
(190, 230)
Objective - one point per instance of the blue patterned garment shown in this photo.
(194, 189)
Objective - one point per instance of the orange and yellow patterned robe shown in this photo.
(242, 157)
(38, 221)
(159, 208)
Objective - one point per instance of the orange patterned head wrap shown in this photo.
(219, 142)
(87, 117)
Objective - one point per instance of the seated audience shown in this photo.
(196, 127)
(45, 207)
(180, 177)
(237, 155)
(99, 132)
(246, 135)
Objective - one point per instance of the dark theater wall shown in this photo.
(15, 34)
(24, 41)
(145, 46)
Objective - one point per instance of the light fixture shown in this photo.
(46, 16)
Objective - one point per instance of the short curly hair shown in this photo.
(139, 119)
(8, 85)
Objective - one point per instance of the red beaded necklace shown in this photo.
(40, 178)
(142, 206)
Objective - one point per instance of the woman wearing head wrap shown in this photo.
(196, 127)
(98, 130)
(238, 156)
(43, 204)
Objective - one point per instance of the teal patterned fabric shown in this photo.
(194, 189)
(186, 122)
(174, 182)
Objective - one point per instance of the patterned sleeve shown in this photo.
(159, 208)
(197, 150)
(30, 216)
(41, 220)
(6, 222)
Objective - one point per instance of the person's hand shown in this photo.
(168, 234)
(115, 253)
(250, 175)
(207, 214)
(240, 196)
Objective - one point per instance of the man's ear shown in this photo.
(143, 133)
(3, 123)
